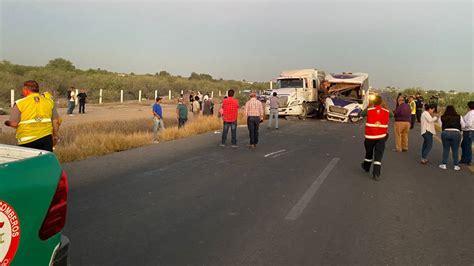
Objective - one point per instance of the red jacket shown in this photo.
(376, 126)
(230, 109)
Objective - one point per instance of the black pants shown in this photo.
(44, 143)
(181, 122)
(82, 107)
(374, 149)
(252, 123)
(412, 122)
(419, 111)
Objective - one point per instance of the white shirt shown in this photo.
(469, 121)
(428, 123)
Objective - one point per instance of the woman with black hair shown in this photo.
(451, 123)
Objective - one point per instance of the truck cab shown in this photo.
(298, 92)
(33, 205)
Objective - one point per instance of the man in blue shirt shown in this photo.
(157, 119)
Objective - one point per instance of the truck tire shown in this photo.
(304, 112)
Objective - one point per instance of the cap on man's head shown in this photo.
(31, 85)
(158, 99)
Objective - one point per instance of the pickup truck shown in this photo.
(33, 205)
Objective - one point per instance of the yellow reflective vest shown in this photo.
(36, 114)
(413, 107)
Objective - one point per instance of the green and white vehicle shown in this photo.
(33, 205)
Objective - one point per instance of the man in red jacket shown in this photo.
(376, 133)
(230, 111)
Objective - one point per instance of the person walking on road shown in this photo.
(82, 96)
(451, 123)
(71, 101)
(35, 119)
(230, 111)
(206, 106)
(412, 103)
(181, 113)
(427, 131)
(196, 107)
(274, 104)
(158, 123)
(466, 144)
(254, 113)
(402, 125)
(376, 134)
(419, 106)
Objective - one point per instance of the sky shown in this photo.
(399, 43)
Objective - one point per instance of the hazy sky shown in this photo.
(426, 44)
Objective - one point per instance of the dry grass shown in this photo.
(99, 138)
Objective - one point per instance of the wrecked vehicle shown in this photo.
(345, 96)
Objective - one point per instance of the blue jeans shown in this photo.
(427, 144)
(273, 114)
(451, 140)
(466, 147)
(70, 107)
(157, 125)
(233, 132)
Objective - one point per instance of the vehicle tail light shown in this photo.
(56, 215)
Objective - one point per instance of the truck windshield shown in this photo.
(290, 83)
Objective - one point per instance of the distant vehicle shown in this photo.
(347, 94)
(33, 205)
(298, 92)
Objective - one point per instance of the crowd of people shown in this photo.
(456, 131)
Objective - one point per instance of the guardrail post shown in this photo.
(77, 99)
(100, 96)
(121, 96)
(140, 96)
(156, 95)
(12, 98)
(182, 92)
(212, 94)
(219, 93)
(169, 94)
(271, 85)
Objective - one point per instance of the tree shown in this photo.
(62, 64)
(163, 73)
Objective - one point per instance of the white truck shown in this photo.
(298, 92)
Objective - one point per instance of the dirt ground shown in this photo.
(105, 112)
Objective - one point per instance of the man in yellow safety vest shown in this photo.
(35, 118)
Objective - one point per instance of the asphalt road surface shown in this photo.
(299, 198)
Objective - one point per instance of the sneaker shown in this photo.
(235, 146)
(363, 168)
(376, 176)
(443, 166)
(156, 141)
(222, 145)
(457, 168)
(424, 161)
(404, 150)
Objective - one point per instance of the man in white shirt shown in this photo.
(427, 131)
(466, 144)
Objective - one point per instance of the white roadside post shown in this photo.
(271, 85)
(12, 98)
(182, 92)
(212, 94)
(121, 96)
(156, 95)
(77, 99)
(169, 94)
(100, 96)
(219, 93)
(140, 96)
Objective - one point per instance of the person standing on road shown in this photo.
(419, 106)
(402, 125)
(376, 134)
(181, 113)
(254, 113)
(206, 106)
(466, 144)
(158, 123)
(230, 112)
(274, 104)
(451, 124)
(71, 101)
(427, 131)
(412, 103)
(82, 96)
(35, 119)
(196, 107)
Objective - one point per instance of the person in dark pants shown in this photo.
(427, 131)
(254, 113)
(466, 144)
(230, 111)
(181, 113)
(419, 106)
(82, 101)
(412, 104)
(376, 135)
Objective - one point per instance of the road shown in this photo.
(299, 198)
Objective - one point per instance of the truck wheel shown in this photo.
(304, 112)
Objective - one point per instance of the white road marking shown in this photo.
(279, 154)
(296, 211)
(273, 153)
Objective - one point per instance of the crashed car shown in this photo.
(347, 94)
